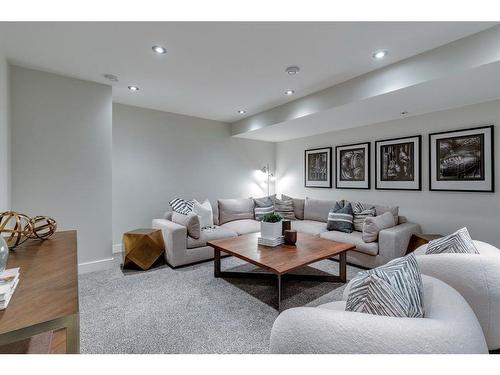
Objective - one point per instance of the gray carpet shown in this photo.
(187, 310)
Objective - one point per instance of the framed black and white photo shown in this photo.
(398, 163)
(462, 160)
(318, 168)
(352, 166)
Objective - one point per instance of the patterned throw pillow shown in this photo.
(458, 242)
(263, 206)
(340, 218)
(360, 214)
(181, 206)
(395, 289)
(284, 208)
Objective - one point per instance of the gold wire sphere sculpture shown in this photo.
(17, 227)
(42, 227)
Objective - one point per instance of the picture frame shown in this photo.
(462, 160)
(352, 166)
(318, 167)
(398, 163)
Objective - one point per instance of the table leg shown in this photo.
(279, 293)
(343, 266)
(216, 263)
(73, 335)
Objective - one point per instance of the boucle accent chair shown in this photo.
(449, 326)
(476, 277)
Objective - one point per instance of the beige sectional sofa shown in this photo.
(235, 217)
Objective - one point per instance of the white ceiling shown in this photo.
(213, 69)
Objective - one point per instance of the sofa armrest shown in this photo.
(174, 236)
(393, 242)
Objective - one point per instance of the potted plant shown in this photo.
(270, 226)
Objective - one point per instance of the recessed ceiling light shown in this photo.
(159, 50)
(242, 111)
(292, 70)
(133, 88)
(289, 92)
(379, 55)
(110, 77)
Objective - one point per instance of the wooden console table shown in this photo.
(46, 298)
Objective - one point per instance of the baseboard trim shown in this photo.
(96, 265)
(117, 248)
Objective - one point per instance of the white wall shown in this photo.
(437, 212)
(61, 156)
(158, 156)
(4, 136)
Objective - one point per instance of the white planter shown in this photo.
(271, 230)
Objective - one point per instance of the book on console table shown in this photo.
(8, 283)
(271, 241)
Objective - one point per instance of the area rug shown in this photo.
(187, 310)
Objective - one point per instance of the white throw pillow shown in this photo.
(204, 211)
(373, 225)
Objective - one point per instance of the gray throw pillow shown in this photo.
(340, 218)
(373, 225)
(395, 289)
(298, 206)
(263, 206)
(235, 209)
(191, 221)
(284, 208)
(458, 242)
(360, 214)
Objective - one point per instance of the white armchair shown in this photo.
(476, 278)
(449, 326)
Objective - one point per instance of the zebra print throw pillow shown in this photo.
(458, 242)
(394, 289)
(263, 206)
(360, 214)
(340, 218)
(181, 206)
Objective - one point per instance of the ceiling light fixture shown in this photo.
(379, 55)
(159, 50)
(242, 111)
(133, 88)
(292, 70)
(289, 92)
(110, 77)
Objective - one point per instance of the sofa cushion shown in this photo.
(191, 221)
(360, 214)
(235, 209)
(244, 226)
(317, 209)
(312, 227)
(340, 218)
(298, 206)
(284, 208)
(373, 225)
(204, 211)
(210, 234)
(355, 238)
(263, 206)
(379, 210)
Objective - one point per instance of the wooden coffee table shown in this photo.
(281, 260)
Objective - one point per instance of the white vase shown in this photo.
(4, 254)
(271, 230)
